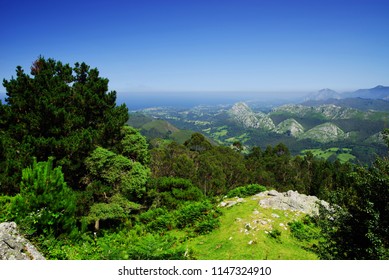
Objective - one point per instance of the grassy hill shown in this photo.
(250, 232)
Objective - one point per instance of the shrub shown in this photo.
(303, 230)
(246, 190)
(45, 203)
(202, 217)
(173, 192)
(5, 208)
(275, 233)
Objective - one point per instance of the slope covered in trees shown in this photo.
(83, 185)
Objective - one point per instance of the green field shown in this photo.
(232, 241)
(342, 154)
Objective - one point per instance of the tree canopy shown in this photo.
(58, 111)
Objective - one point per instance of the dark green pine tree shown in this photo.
(59, 111)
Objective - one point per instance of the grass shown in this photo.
(235, 240)
(343, 155)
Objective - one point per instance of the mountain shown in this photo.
(323, 94)
(358, 103)
(299, 127)
(243, 114)
(290, 127)
(328, 112)
(378, 92)
(324, 133)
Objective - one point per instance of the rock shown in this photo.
(13, 246)
(293, 201)
(274, 215)
(243, 115)
(227, 203)
(273, 193)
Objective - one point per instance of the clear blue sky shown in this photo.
(205, 45)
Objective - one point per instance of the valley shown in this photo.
(320, 128)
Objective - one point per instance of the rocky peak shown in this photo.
(290, 127)
(243, 114)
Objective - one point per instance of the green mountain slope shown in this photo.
(298, 127)
(250, 232)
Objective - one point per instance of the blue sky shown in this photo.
(211, 45)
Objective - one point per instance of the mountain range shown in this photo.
(352, 124)
(378, 92)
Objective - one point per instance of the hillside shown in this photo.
(251, 230)
(158, 128)
(300, 127)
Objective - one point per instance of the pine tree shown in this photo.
(59, 111)
(45, 203)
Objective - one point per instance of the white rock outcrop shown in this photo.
(13, 246)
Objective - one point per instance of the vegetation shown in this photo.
(82, 184)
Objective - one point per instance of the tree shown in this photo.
(133, 145)
(198, 143)
(58, 111)
(115, 183)
(360, 228)
(45, 203)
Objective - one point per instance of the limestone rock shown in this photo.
(14, 246)
(292, 200)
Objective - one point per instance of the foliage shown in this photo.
(172, 192)
(198, 143)
(199, 215)
(122, 174)
(304, 229)
(45, 203)
(246, 190)
(117, 207)
(116, 246)
(115, 182)
(360, 229)
(59, 111)
(6, 203)
(134, 145)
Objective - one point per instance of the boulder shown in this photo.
(292, 200)
(13, 246)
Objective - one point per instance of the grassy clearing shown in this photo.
(245, 234)
(343, 154)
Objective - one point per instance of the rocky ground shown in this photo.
(13, 246)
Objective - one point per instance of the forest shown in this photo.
(82, 184)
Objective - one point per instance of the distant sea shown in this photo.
(139, 101)
(142, 100)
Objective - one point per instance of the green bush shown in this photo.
(151, 215)
(303, 230)
(246, 190)
(161, 224)
(157, 247)
(5, 208)
(206, 225)
(172, 192)
(201, 217)
(275, 233)
(45, 203)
